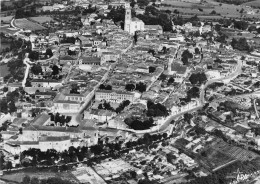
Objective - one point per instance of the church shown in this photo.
(132, 24)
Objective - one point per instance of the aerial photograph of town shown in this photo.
(130, 92)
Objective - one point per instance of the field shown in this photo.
(224, 10)
(17, 177)
(8, 30)
(215, 159)
(4, 71)
(6, 19)
(28, 25)
(41, 19)
(255, 4)
(233, 151)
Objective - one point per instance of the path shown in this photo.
(256, 111)
(233, 75)
(26, 61)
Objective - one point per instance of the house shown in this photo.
(42, 120)
(67, 59)
(46, 83)
(157, 28)
(113, 96)
(68, 102)
(90, 60)
(14, 86)
(178, 70)
(45, 95)
(99, 114)
(109, 56)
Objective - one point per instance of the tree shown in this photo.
(26, 179)
(55, 70)
(49, 52)
(240, 25)
(11, 106)
(36, 69)
(100, 106)
(96, 149)
(162, 77)
(129, 87)
(9, 165)
(152, 69)
(187, 117)
(35, 180)
(74, 88)
(185, 60)
(197, 50)
(241, 44)
(5, 89)
(194, 92)
(170, 81)
(140, 87)
(198, 78)
(213, 12)
(33, 55)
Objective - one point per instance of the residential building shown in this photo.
(113, 96)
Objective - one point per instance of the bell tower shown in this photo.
(128, 17)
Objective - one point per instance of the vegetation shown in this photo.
(105, 87)
(137, 124)
(155, 110)
(241, 45)
(198, 78)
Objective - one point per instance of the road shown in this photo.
(26, 61)
(225, 79)
(233, 75)
(256, 111)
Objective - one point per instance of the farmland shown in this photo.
(28, 25)
(255, 4)
(205, 9)
(233, 151)
(41, 19)
(214, 159)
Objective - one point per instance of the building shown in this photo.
(157, 28)
(132, 24)
(99, 114)
(83, 60)
(46, 83)
(68, 102)
(113, 96)
(14, 86)
(109, 56)
(178, 70)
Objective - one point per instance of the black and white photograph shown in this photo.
(130, 92)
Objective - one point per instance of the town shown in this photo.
(132, 92)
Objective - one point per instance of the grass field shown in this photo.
(41, 19)
(28, 25)
(4, 71)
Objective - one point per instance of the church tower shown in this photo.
(128, 17)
